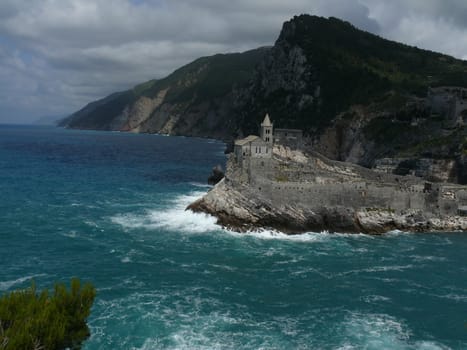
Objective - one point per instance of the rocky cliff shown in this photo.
(298, 193)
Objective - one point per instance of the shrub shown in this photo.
(40, 320)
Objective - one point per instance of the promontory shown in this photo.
(272, 182)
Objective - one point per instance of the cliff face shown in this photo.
(296, 193)
(285, 84)
(358, 97)
(402, 138)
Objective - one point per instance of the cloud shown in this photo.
(430, 24)
(57, 55)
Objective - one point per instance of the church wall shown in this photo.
(260, 150)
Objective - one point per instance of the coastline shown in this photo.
(238, 207)
(294, 193)
(240, 212)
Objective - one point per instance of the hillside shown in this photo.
(327, 65)
(358, 97)
(195, 100)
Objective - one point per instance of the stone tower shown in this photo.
(266, 130)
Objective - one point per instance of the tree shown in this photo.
(43, 321)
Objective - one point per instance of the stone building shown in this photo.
(313, 181)
(450, 101)
(266, 131)
(261, 146)
(256, 146)
(291, 138)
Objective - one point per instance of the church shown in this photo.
(261, 146)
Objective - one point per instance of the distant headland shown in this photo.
(271, 182)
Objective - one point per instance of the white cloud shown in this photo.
(57, 55)
(435, 25)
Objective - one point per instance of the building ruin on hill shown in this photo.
(450, 101)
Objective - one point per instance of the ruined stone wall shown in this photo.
(289, 137)
(317, 183)
(350, 195)
(304, 185)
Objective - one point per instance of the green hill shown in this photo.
(357, 96)
(206, 80)
(350, 66)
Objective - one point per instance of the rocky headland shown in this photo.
(296, 192)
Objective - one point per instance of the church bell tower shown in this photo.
(266, 130)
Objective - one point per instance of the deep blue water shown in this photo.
(109, 209)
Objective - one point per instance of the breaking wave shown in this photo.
(175, 218)
(277, 235)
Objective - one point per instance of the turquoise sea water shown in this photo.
(109, 208)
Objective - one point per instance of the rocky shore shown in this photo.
(329, 196)
(241, 210)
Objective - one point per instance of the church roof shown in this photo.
(246, 140)
(266, 121)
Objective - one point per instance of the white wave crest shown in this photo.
(270, 234)
(200, 185)
(175, 218)
(380, 331)
(423, 258)
(277, 235)
(396, 233)
(385, 268)
(5, 285)
(375, 298)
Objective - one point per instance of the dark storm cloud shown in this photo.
(56, 55)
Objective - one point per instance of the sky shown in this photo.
(58, 55)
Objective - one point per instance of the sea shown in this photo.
(109, 208)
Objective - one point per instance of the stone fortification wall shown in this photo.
(318, 183)
(349, 195)
(295, 193)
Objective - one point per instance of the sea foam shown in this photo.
(266, 234)
(174, 218)
(380, 331)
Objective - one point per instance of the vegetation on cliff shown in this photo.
(349, 65)
(205, 80)
(30, 319)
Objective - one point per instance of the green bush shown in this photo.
(41, 320)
